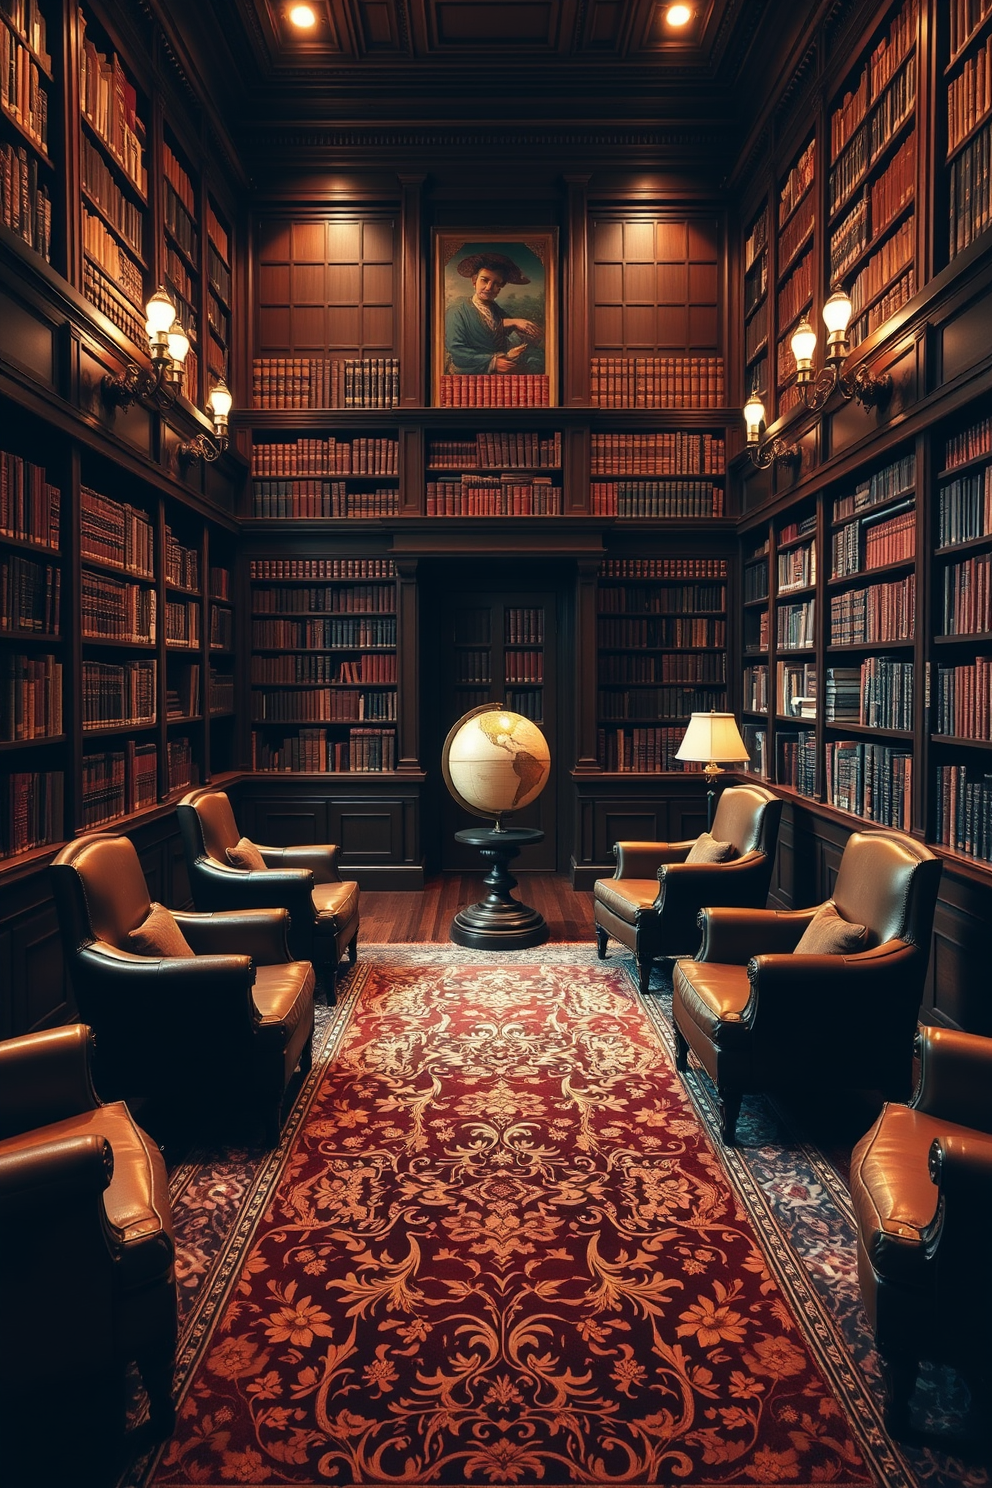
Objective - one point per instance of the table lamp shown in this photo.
(710, 737)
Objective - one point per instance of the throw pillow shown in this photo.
(706, 849)
(829, 934)
(159, 935)
(245, 854)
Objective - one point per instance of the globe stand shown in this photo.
(499, 922)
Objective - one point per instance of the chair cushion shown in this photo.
(159, 935)
(626, 897)
(893, 1197)
(335, 903)
(828, 934)
(714, 995)
(706, 849)
(137, 1198)
(283, 994)
(245, 854)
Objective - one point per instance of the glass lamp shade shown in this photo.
(837, 314)
(711, 738)
(754, 417)
(178, 343)
(160, 312)
(220, 400)
(803, 348)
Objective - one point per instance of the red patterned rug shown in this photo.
(497, 1248)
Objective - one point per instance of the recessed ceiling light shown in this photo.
(679, 15)
(305, 16)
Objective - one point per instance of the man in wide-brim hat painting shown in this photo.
(480, 336)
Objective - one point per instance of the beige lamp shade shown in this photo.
(712, 738)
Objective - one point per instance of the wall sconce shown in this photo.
(763, 455)
(203, 447)
(869, 391)
(168, 345)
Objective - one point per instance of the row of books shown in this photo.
(962, 705)
(119, 694)
(118, 782)
(102, 189)
(311, 669)
(25, 203)
(684, 630)
(182, 564)
(897, 479)
(320, 705)
(649, 703)
(756, 744)
(473, 666)
(528, 701)
(797, 567)
(663, 568)
(22, 91)
(755, 689)
(794, 296)
(495, 390)
(657, 382)
(217, 232)
(676, 666)
(182, 622)
(859, 547)
(884, 308)
(116, 533)
(220, 691)
(757, 625)
(756, 333)
(218, 273)
(757, 239)
(178, 179)
(874, 781)
(676, 599)
(965, 508)
(350, 599)
(880, 612)
(523, 626)
(108, 101)
(325, 382)
(108, 298)
(755, 582)
(887, 57)
(971, 444)
(31, 810)
(30, 506)
(523, 666)
(496, 451)
(970, 199)
(964, 811)
(872, 137)
(363, 455)
(655, 498)
(796, 183)
(876, 211)
(895, 254)
(797, 760)
(183, 231)
(965, 16)
(309, 499)
(792, 531)
(796, 231)
(755, 283)
(322, 568)
(969, 95)
(31, 697)
(28, 21)
(112, 609)
(675, 453)
(482, 496)
(842, 695)
(313, 751)
(179, 764)
(327, 634)
(103, 249)
(221, 628)
(796, 689)
(641, 751)
(967, 606)
(795, 625)
(182, 693)
(886, 693)
(29, 595)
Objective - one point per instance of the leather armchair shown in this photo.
(921, 1186)
(87, 1283)
(756, 1016)
(231, 1022)
(651, 904)
(323, 908)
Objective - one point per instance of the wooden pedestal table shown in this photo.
(499, 922)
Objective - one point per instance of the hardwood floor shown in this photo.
(391, 918)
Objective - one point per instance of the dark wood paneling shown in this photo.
(331, 282)
(654, 285)
(27, 340)
(642, 808)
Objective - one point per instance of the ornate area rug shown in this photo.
(497, 1246)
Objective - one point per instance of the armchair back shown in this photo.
(888, 882)
(100, 891)
(206, 821)
(747, 816)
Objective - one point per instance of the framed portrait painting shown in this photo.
(495, 339)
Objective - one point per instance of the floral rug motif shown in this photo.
(496, 1247)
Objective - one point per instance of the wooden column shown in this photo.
(407, 665)
(575, 297)
(585, 664)
(413, 301)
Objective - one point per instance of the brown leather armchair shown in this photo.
(323, 908)
(651, 904)
(231, 1022)
(921, 1185)
(756, 1016)
(86, 1263)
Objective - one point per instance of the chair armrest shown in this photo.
(643, 859)
(961, 1167)
(261, 934)
(255, 888)
(320, 858)
(955, 1077)
(733, 936)
(684, 888)
(819, 992)
(45, 1077)
(62, 1168)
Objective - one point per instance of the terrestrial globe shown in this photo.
(495, 762)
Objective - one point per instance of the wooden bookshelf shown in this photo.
(795, 275)
(757, 314)
(966, 48)
(30, 122)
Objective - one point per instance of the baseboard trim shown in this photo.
(584, 875)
